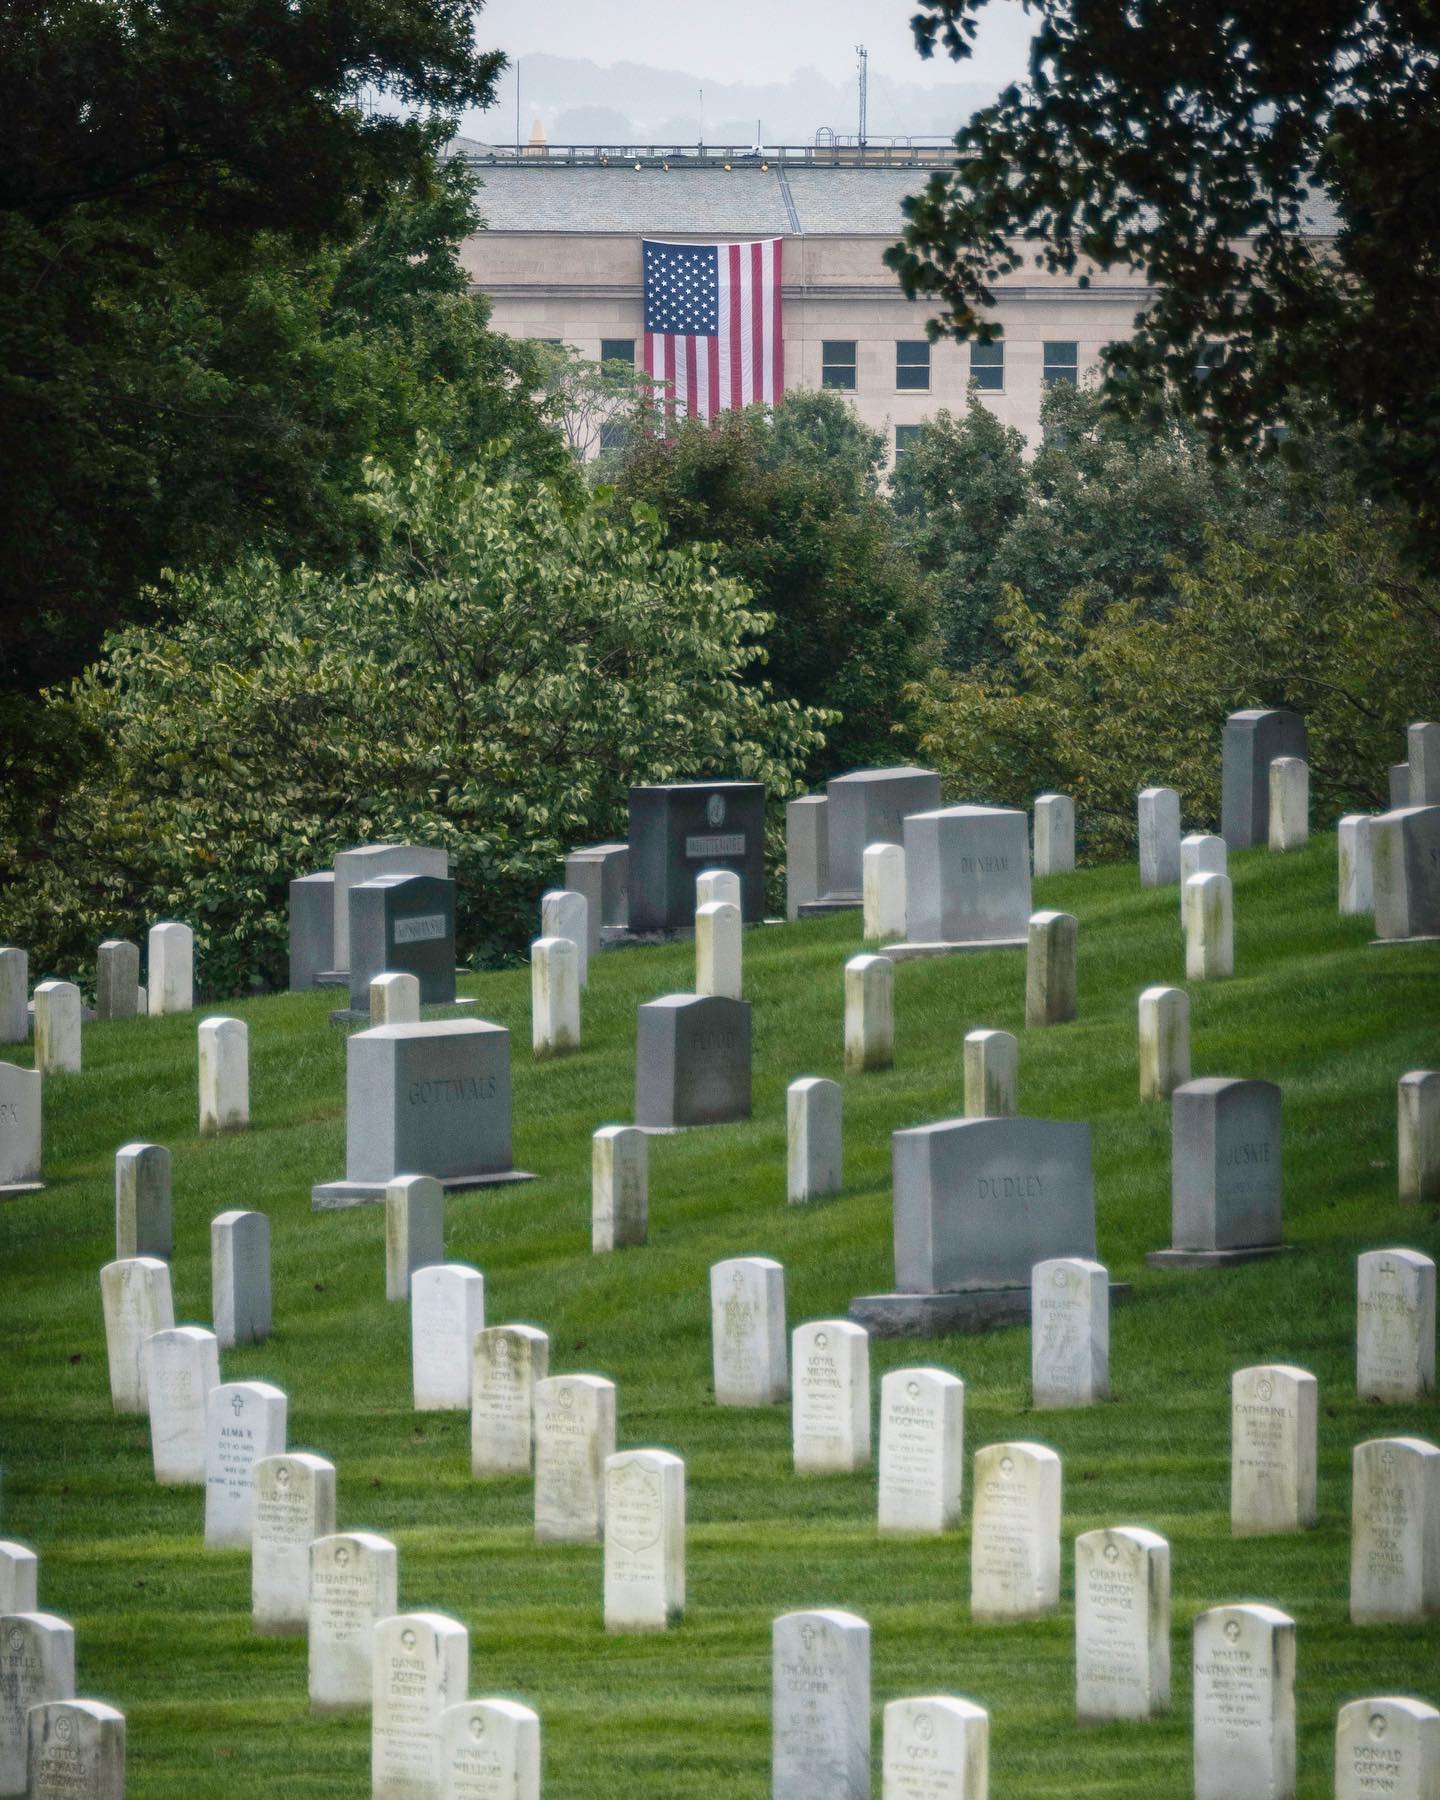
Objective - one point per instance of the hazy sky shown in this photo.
(751, 40)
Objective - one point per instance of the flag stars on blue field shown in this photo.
(682, 289)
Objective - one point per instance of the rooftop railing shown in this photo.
(892, 153)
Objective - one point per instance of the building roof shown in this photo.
(742, 201)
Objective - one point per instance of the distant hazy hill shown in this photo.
(578, 101)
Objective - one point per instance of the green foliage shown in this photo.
(786, 502)
(1334, 623)
(1188, 144)
(510, 660)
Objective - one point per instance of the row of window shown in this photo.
(838, 358)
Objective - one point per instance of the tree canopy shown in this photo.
(1192, 143)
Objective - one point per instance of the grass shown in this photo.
(163, 1627)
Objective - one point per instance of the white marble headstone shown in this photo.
(882, 888)
(489, 1750)
(414, 1230)
(1356, 865)
(421, 1666)
(1158, 816)
(814, 1127)
(353, 1584)
(747, 1330)
(171, 968)
(936, 1748)
(508, 1360)
(1054, 834)
(566, 914)
(820, 1707)
(574, 1434)
(830, 1418)
(19, 1572)
(1069, 1332)
(1289, 803)
(294, 1505)
(1209, 928)
(869, 1014)
(1273, 1424)
(922, 1450)
(37, 1663)
(14, 995)
(135, 1295)
(719, 950)
(447, 1310)
(1394, 1530)
(554, 996)
(76, 1750)
(644, 1540)
(1388, 1746)
(240, 1277)
(1015, 1532)
(57, 1028)
(245, 1421)
(992, 1075)
(1244, 1704)
(224, 1075)
(1394, 1326)
(179, 1366)
(619, 1188)
(1122, 1624)
(1164, 1041)
(143, 1223)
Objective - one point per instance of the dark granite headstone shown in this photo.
(1405, 864)
(1225, 1173)
(1252, 741)
(870, 806)
(680, 830)
(312, 929)
(692, 1061)
(403, 925)
(426, 1099)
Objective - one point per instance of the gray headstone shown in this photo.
(143, 1225)
(978, 1202)
(403, 924)
(14, 995)
(967, 876)
(366, 863)
(19, 1127)
(680, 829)
(870, 806)
(240, 1277)
(1253, 739)
(426, 1099)
(312, 928)
(1225, 1173)
(1399, 785)
(601, 872)
(692, 1061)
(117, 979)
(807, 851)
(1405, 864)
(1424, 764)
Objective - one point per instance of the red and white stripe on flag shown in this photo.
(744, 361)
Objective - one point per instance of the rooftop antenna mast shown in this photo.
(517, 108)
(702, 118)
(864, 56)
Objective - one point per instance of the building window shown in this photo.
(1062, 363)
(1206, 361)
(618, 350)
(905, 436)
(837, 362)
(614, 437)
(987, 366)
(912, 364)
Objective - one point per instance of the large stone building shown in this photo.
(561, 259)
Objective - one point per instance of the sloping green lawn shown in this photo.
(163, 1627)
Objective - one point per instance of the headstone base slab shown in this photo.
(1212, 1259)
(943, 1315)
(1380, 943)
(16, 1189)
(831, 903)
(442, 1009)
(333, 978)
(332, 1196)
(903, 952)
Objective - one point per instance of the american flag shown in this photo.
(712, 325)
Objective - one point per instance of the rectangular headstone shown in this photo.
(1394, 1531)
(353, 1585)
(37, 1665)
(1122, 1625)
(644, 1540)
(490, 1750)
(937, 1748)
(447, 1310)
(1164, 1041)
(422, 1666)
(1251, 742)
(717, 884)
(76, 1750)
(117, 979)
(180, 1366)
(1395, 1326)
(19, 1572)
(1015, 1532)
(1355, 860)
(508, 1360)
(814, 1139)
(692, 1061)
(719, 950)
(967, 876)
(992, 1075)
(1398, 785)
(135, 1295)
(1201, 853)
(619, 1188)
(366, 863)
(1289, 803)
(830, 1404)
(240, 1277)
(395, 998)
(414, 1230)
(1418, 1136)
(820, 1707)
(870, 806)
(14, 995)
(883, 892)
(57, 1028)
(807, 851)
(554, 997)
(565, 913)
(1244, 1704)
(678, 829)
(1209, 919)
(574, 1434)
(978, 1202)
(170, 958)
(1405, 860)
(143, 1221)
(869, 1014)
(20, 1129)
(294, 1505)
(1158, 823)
(1423, 741)
(427, 1099)
(403, 924)
(747, 1332)
(312, 929)
(1273, 1425)
(1069, 1333)
(601, 872)
(922, 1450)
(1225, 1165)
(1050, 972)
(1388, 1746)
(1054, 831)
(244, 1422)
(224, 1075)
